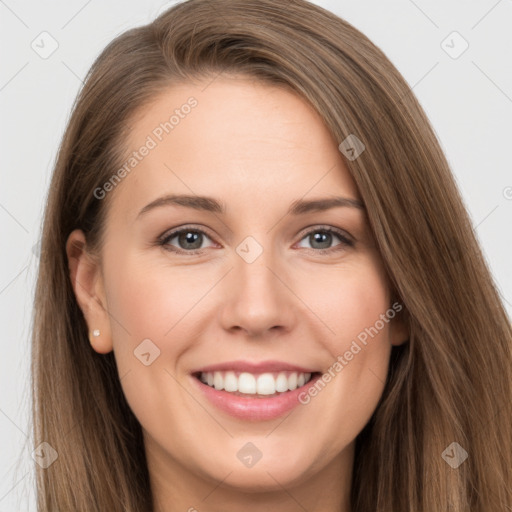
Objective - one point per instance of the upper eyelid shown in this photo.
(173, 232)
(325, 227)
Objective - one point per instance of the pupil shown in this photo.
(189, 238)
(322, 238)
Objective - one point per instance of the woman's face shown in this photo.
(261, 274)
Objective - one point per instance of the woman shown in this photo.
(255, 368)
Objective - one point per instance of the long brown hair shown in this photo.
(452, 381)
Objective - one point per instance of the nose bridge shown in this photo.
(258, 300)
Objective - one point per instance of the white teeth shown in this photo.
(230, 381)
(246, 383)
(266, 384)
(261, 384)
(218, 381)
(282, 383)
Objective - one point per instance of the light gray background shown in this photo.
(468, 100)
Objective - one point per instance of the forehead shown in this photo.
(232, 138)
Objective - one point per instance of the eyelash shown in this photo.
(164, 239)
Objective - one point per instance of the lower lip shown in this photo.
(251, 408)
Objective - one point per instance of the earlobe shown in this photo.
(87, 283)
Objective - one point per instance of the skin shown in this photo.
(257, 148)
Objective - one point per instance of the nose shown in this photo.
(259, 298)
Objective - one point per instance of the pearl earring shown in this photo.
(94, 333)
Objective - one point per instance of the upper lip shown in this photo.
(253, 367)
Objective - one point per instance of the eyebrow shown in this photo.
(209, 204)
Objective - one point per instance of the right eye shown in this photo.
(189, 240)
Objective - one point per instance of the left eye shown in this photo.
(324, 238)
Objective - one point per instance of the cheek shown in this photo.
(153, 318)
(349, 300)
(151, 300)
(353, 306)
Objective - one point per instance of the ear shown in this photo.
(398, 329)
(87, 281)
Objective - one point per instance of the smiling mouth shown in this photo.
(251, 385)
